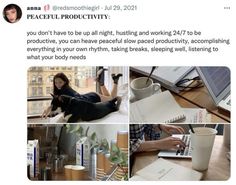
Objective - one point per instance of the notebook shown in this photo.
(160, 107)
(163, 170)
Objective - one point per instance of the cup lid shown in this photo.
(122, 132)
(68, 166)
(77, 167)
(203, 131)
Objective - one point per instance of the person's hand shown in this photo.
(171, 129)
(169, 143)
(46, 112)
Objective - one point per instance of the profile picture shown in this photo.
(12, 13)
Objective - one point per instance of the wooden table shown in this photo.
(196, 98)
(215, 118)
(201, 98)
(219, 166)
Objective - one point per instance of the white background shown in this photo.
(207, 16)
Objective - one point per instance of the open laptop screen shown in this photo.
(218, 78)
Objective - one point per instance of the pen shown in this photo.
(191, 128)
(153, 68)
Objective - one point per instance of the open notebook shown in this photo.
(160, 107)
(163, 170)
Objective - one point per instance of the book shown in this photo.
(158, 108)
(164, 170)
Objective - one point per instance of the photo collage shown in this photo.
(128, 123)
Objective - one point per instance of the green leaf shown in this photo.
(114, 149)
(104, 145)
(93, 136)
(76, 128)
(86, 132)
(80, 131)
(115, 160)
(68, 128)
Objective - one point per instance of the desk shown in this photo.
(188, 104)
(219, 166)
(201, 98)
(196, 98)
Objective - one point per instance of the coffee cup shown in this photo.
(107, 166)
(122, 139)
(143, 87)
(68, 171)
(202, 141)
(78, 172)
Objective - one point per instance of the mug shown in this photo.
(142, 88)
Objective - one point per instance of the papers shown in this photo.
(163, 170)
(160, 107)
(195, 115)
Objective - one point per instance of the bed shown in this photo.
(120, 116)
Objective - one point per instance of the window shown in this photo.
(69, 77)
(33, 79)
(80, 78)
(40, 91)
(50, 79)
(40, 79)
(117, 69)
(48, 90)
(34, 91)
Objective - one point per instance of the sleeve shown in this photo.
(134, 145)
(69, 92)
(151, 133)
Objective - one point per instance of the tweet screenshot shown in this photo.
(117, 90)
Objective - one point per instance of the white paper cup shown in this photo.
(141, 89)
(202, 142)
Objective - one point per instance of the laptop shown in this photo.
(217, 82)
(180, 153)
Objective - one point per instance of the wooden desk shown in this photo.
(201, 98)
(187, 104)
(197, 98)
(219, 166)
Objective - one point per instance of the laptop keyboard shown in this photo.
(187, 150)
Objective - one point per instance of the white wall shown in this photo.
(107, 131)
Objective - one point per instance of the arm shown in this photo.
(171, 129)
(46, 112)
(162, 144)
(69, 92)
(152, 132)
(134, 145)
